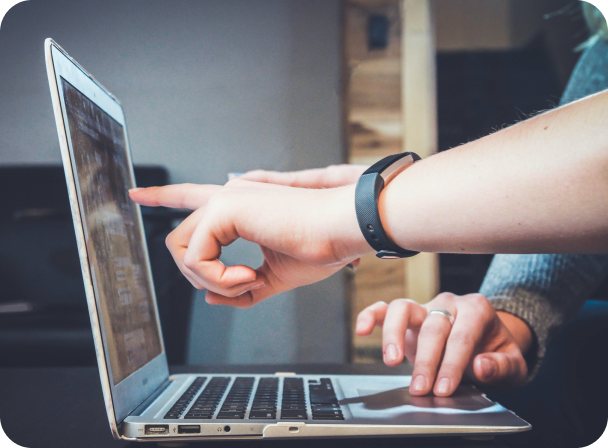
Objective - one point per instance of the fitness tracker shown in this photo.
(368, 190)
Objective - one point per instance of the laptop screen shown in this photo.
(114, 239)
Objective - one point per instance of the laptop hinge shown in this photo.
(139, 410)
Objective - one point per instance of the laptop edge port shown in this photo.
(157, 430)
(189, 429)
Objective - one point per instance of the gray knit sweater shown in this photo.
(545, 291)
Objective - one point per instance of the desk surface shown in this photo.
(64, 408)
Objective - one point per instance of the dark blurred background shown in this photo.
(211, 87)
(208, 88)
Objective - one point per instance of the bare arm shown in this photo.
(540, 186)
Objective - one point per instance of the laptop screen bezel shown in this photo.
(125, 396)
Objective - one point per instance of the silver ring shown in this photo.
(444, 313)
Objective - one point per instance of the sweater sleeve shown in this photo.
(545, 291)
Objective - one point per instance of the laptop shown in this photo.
(143, 401)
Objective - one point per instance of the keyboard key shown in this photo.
(231, 415)
(329, 417)
(326, 413)
(322, 397)
(325, 407)
(294, 415)
(234, 408)
(293, 407)
(262, 415)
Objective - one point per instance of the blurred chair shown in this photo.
(44, 319)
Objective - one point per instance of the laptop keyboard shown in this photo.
(265, 400)
(323, 401)
(322, 398)
(235, 404)
(180, 406)
(294, 400)
(205, 405)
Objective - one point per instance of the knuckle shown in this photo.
(190, 262)
(478, 300)
(481, 306)
(401, 303)
(376, 307)
(445, 296)
(218, 204)
(215, 201)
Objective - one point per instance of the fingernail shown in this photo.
(391, 353)
(419, 383)
(488, 368)
(232, 176)
(443, 387)
(134, 190)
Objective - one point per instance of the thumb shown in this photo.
(500, 368)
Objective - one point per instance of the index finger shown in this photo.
(190, 196)
(401, 315)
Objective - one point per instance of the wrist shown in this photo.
(519, 330)
(346, 237)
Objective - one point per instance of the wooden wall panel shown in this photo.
(419, 106)
(378, 84)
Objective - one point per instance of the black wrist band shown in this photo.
(368, 190)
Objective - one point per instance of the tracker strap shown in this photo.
(367, 192)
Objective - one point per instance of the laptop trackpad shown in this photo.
(389, 399)
(395, 398)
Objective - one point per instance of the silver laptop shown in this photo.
(143, 401)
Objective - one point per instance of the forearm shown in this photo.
(540, 186)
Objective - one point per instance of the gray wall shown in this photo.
(208, 87)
